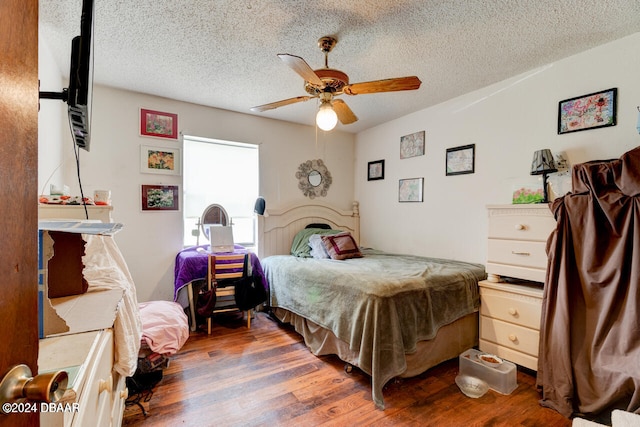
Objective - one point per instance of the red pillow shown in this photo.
(341, 246)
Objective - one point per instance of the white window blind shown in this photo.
(225, 173)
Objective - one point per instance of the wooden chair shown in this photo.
(222, 271)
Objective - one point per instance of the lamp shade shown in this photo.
(543, 162)
(326, 119)
(260, 206)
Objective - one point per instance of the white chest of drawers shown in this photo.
(510, 321)
(510, 312)
(517, 240)
(96, 389)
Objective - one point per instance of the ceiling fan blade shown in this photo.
(345, 115)
(301, 67)
(271, 106)
(386, 85)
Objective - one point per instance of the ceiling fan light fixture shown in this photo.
(326, 119)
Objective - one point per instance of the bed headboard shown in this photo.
(277, 227)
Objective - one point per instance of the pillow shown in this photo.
(300, 245)
(341, 246)
(318, 250)
(319, 225)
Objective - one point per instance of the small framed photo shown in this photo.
(591, 111)
(526, 193)
(375, 170)
(461, 160)
(158, 124)
(160, 198)
(160, 160)
(412, 145)
(410, 190)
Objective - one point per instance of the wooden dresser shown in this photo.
(511, 297)
(77, 329)
(97, 391)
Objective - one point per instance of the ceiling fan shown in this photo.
(328, 83)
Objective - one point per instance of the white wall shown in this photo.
(507, 122)
(50, 121)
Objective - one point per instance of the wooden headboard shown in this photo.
(277, 227)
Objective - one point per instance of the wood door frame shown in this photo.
(19, 94)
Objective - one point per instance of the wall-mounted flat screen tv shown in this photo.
(78, 94)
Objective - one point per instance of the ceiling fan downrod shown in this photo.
(326, 45)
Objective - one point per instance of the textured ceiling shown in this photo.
(222, 53)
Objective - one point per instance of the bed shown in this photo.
(391, 315)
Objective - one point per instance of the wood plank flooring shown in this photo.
(267, 376)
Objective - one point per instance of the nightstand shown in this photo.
(510, 309)
(517, 240)
(510, 321)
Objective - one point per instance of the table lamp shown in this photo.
(543, 164)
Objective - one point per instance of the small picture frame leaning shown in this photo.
(461, 160)
(375, 170)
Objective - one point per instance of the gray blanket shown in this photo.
(381, 304)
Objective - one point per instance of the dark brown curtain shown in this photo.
(589, 358)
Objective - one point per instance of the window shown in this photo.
(221, 172)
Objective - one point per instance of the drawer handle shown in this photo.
(521, 227)
(520, 253)
(106, 385)
(513, 338)
(513, 311)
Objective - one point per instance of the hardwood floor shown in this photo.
(267, 376)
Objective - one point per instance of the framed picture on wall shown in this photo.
(160, 160)
(412, 145)
(375, 170)
(160, 198)
(591, 111)
(158, 124)
(410, 190)
(461, 160)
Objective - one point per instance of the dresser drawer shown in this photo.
(96, 398)
(519, 309)
(519, 253)
(509, 335)
(521, 223)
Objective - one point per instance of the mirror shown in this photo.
(314, 178)
(213, 214)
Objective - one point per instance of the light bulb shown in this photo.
(326, 119)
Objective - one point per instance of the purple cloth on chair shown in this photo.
(191, 264)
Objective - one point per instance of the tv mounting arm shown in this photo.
(64, 95)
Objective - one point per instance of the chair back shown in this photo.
(225, 267)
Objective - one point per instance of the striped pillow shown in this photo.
(341, 246)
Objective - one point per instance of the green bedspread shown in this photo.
(381, 304)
